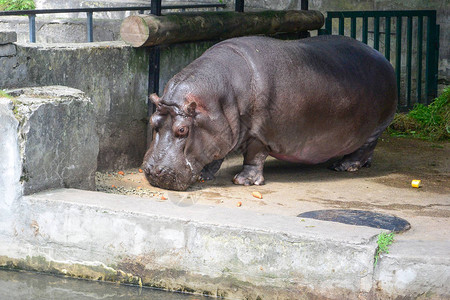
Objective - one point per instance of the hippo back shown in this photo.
(315, 98)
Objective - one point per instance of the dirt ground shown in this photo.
(292, 189)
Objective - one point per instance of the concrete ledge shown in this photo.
(111, 74)
(210, 250)
(415, 268)
(57, 138)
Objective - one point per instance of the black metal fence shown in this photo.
(416, 68)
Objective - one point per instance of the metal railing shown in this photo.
(90, 12)
(382, 23)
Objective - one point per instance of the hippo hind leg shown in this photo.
(362, 157)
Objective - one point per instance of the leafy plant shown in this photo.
(430, 122)
(384, 240)
(17, 4)
(3, 94)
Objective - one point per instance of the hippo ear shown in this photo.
(190, 107)
(155, 99)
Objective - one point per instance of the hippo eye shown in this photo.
(182, 131)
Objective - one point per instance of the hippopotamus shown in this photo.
(304, 101)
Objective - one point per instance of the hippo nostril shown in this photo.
(158, 170)
(147, 171)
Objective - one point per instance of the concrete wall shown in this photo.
(47, 140)
(58, 30)
(112, 74)
(57, 138)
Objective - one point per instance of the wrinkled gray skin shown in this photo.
(304, 101)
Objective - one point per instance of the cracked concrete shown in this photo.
(58, 145)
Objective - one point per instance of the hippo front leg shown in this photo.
(254, 158)
(210, 169)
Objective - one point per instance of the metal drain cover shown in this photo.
(360, 218)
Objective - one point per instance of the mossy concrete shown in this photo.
(57, 138)
(114, 76)
(214, 250)
(194, 249)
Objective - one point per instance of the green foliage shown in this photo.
(3, 94)
(17, 4)
(430, 122)
(384, 240)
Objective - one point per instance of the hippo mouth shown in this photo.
(169, 179)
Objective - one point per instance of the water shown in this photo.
(25, 285)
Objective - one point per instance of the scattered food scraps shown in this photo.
(140, 171)
(163, 197)
(415, 183)
(239, 204)
(121, 173)
(113, 186)
(257, 195)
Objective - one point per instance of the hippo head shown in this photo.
(185, 139)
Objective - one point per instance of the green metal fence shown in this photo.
(416, 66)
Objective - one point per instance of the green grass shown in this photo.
(17, 5)
(3, 94)
(430, 122)
(384, 240)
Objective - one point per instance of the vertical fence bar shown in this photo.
(353, 27)
(341, 25)
(387, 38)
(304, 5)
(90, 27)
(376, 33)
(155, 7)
(437, 37)
(239, 5)
(365, 29)
(430, 87)
(32, 28)
(398, 52)
(419, 57)
(153, 70)
(329, 24)
(408, 60)
(154, 61)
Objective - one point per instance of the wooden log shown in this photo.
(151, 30)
